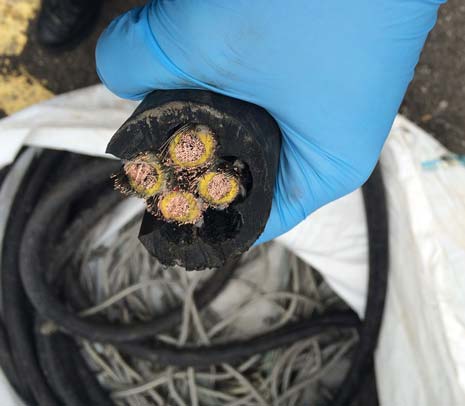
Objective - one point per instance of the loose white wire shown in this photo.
(126, 283)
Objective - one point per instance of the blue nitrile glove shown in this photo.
(331, 72)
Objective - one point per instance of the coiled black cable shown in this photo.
(203, 356)
(42, 377)
(3, 173)
(33, 274)
(6, 361)
(17, 313)
(378, 248)
(28, 238)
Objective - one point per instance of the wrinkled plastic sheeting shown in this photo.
(81, 121)
(421, 357)
(422, 340)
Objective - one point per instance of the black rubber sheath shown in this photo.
(6, 362)
(378, 242)
(6, 358)
(17, 313)
(77, 231)
(54, 356)
(66, 372)
(96, 393)
(203, 356)
(55, 228)
(369, 330)
(36, 265)
(48, 305)
(3, 172)
(367, 395)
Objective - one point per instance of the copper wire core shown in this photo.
(189, 148)
(141, 173)
(178, 206)
(178, 182)
(219, 186)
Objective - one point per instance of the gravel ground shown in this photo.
(435, 99)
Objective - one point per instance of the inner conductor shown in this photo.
(145, 174)
(181, 180)
(181, 207)
(192, 146)
(218, 188)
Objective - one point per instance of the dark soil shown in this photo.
(436, 97)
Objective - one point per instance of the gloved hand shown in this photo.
(331, 72)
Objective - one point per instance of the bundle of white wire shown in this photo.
(270, 288)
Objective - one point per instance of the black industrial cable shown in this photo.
(96, 393)
(25, 200)
(377, 224)
(378, 248)
(55, 375)
(6, 361)
(77, 231)
(202, 356)
(17, 313)
(18, 318)
(6, 358)
(73, 380)
(55, 344)
(66, 371)
(38, 267)
(48, 305)
(3, 173)
(367, 395)
(61, 377)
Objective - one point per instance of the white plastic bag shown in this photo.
(420, 358)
